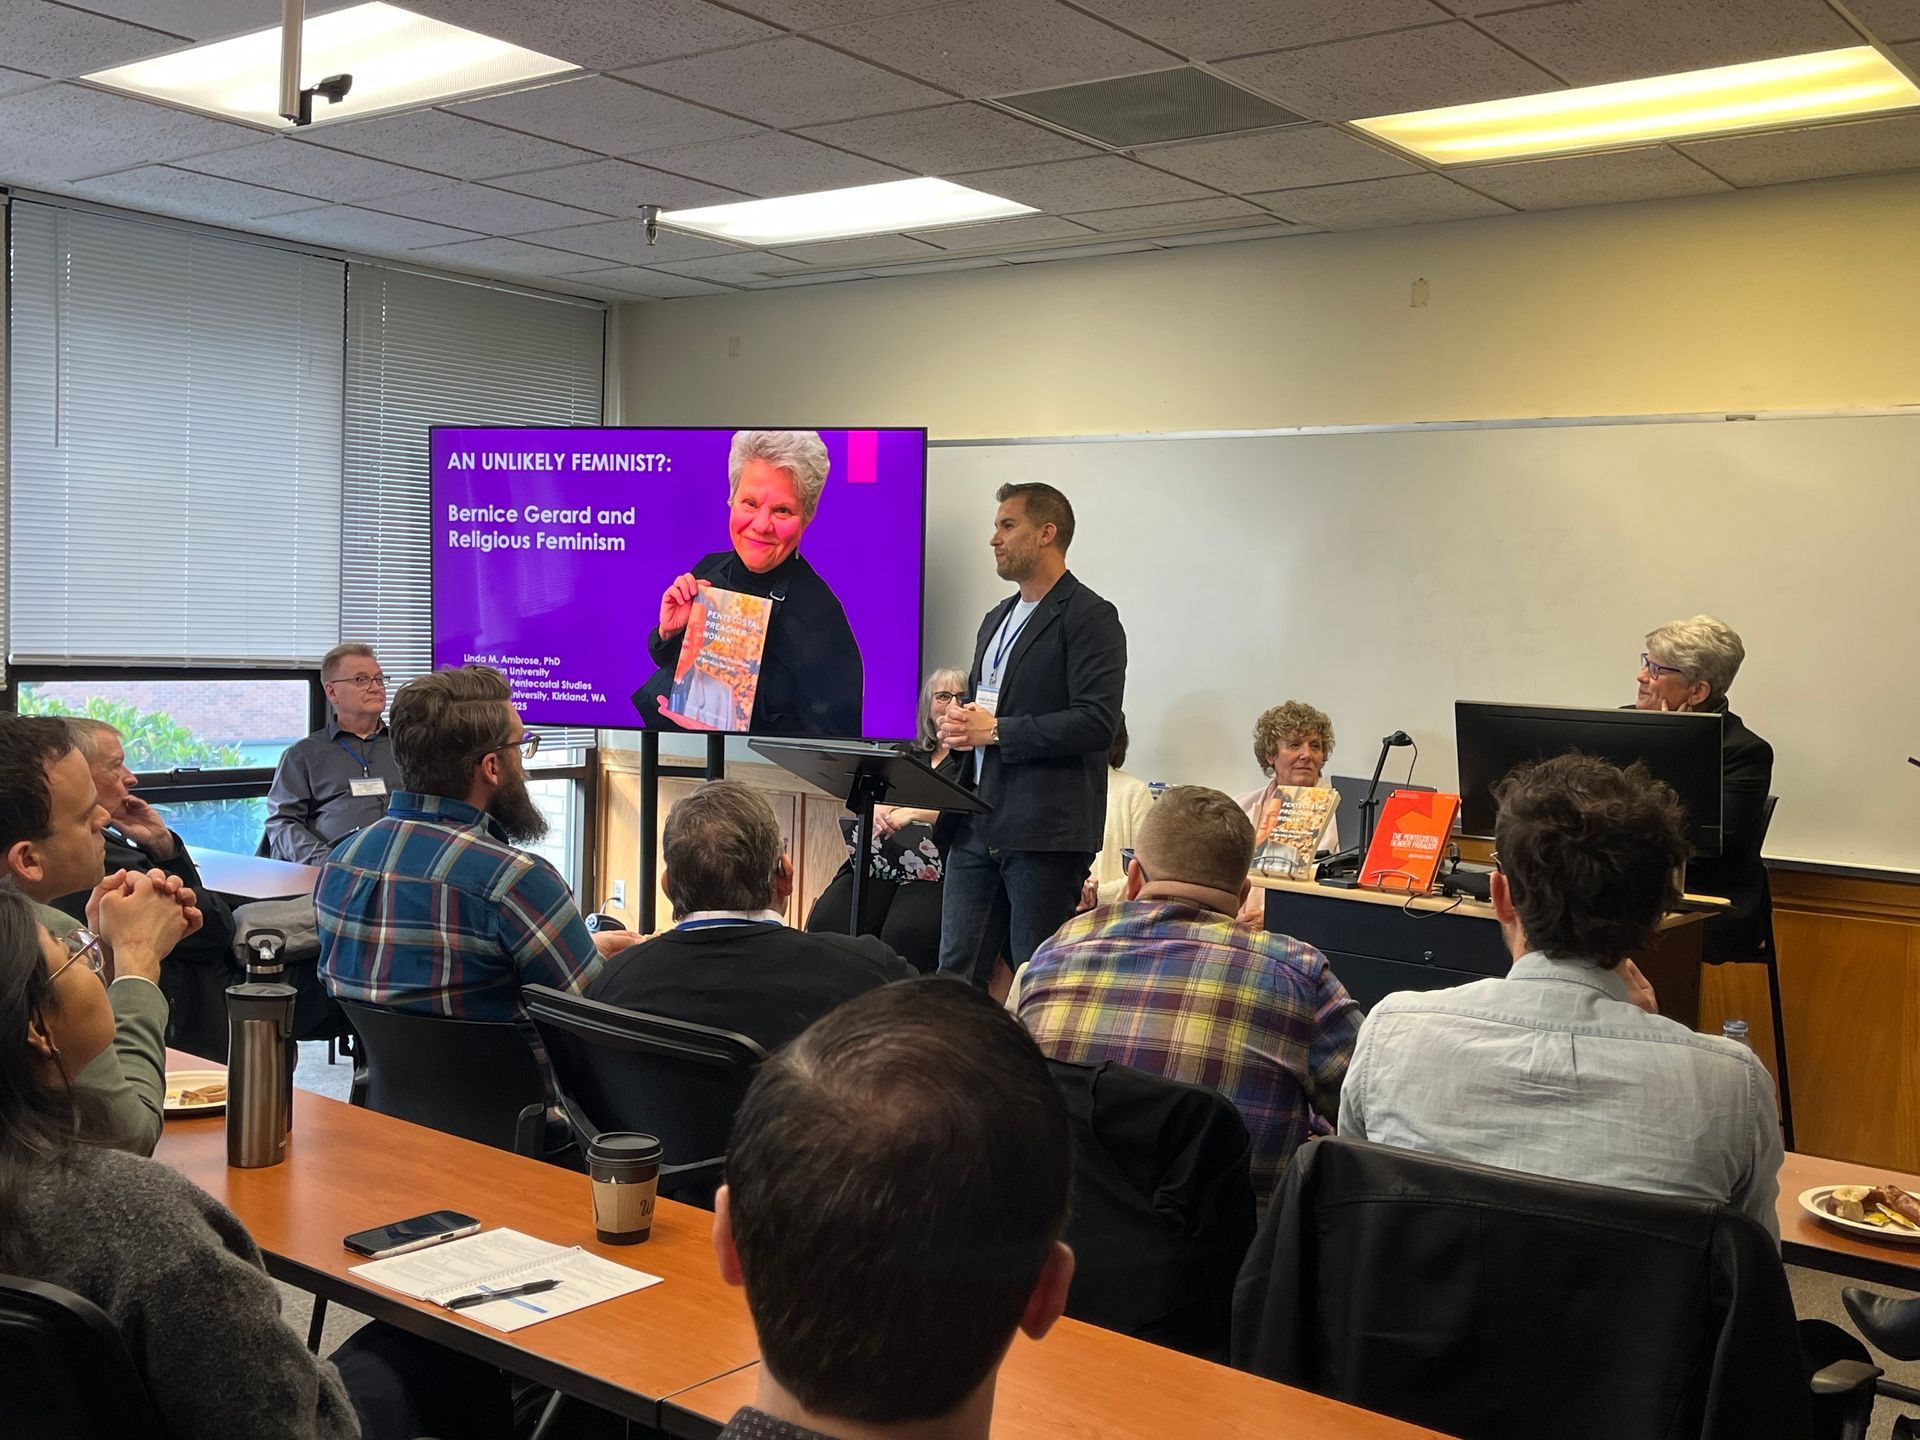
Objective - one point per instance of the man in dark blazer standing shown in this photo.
(1049, 675)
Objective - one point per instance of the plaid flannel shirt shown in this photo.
(1176, 989)
(429, 909)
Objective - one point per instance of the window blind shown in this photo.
(421, 352)
(174, 438)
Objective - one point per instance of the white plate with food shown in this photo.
(1876, 1212)
(196, 1092)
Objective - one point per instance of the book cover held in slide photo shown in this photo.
(719, 668)
(1285, 841)
(1409, 841)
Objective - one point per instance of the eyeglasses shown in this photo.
(528, 745)
(1655, 669)
(82, 946)
(948, 695)
(365, 682)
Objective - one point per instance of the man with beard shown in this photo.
(1049, 669)
(432, 908)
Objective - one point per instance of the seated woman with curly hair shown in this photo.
(1291, 743)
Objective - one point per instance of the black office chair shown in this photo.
(1492, 1305)
(623, 1070)
(1891, 1325)
(1163, 1205)
(473, 1078)
(65, 1373)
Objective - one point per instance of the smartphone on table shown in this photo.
(413, 1234)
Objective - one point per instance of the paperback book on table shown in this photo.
(1409, 841)
(719, 669)
(1288, 835)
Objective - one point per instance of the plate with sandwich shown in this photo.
(195, 1092)
(1878, 1212)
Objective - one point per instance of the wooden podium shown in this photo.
(1379, 942)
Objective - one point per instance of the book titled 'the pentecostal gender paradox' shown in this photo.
(719, 669)
(1288, 835)
(1409, 840)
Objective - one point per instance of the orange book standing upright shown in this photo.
(1409, 841)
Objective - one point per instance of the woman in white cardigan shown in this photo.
(1128, 802)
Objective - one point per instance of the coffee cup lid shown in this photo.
(629, 1146)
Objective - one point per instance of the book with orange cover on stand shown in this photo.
(1409, 841)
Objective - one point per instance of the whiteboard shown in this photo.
(1383, 575)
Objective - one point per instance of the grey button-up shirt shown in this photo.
(1552, 1071)
(312, 796)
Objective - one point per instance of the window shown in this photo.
(174, 445)
(182, 720)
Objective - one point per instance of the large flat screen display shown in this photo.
(746, 581)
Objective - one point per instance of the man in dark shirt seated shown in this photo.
(731, 962)
(911, 1147)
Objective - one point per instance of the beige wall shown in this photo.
(1801, 296)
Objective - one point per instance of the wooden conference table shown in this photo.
(254, 877)
(1805, 1242)
(681, 1354)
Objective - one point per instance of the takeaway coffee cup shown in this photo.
(624, 1167)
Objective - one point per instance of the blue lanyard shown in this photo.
(365, 761)
(1006, 640)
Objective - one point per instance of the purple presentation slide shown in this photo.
(553, 550)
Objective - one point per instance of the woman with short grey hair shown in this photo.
(1690, 665)
(812, 680)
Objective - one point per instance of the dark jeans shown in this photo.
(402, 1387)
(1003, 902)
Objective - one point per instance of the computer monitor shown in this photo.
(1682, 749)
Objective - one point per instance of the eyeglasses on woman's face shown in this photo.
(83, 947)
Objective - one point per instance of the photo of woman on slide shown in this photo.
(812, 681)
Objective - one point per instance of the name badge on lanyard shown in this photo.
(371, 786)
(987, 697)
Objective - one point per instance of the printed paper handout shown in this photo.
(499, 1258)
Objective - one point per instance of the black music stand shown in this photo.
(866, 773)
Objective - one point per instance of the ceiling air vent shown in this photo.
(1136, 110)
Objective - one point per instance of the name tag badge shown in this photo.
(368, 788)
(987, 697)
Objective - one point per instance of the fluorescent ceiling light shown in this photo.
(1764, 95)
(836, 214)
(398, 60)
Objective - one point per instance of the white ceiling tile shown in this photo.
(14, 81)
(482, 208)
(771, 164)
(1103, 183)
(1655, 173)
(1889, 20)
(514, 256)
(450, 145)
(1213, 29)
(808, 277)
(601, 34)
(999, 47)
(638, 281)
(1366, 204)
(1183, 212)
(209, 19)
(976, 262)
(61, 42)
(600, 113)
(784, 83)
(950, 140)
(1859, 148)
(728, 269)
(1436, 65)
(1084, 252)
(64, 132)
(1279, 159)
(825, 14)
(1596, 42)
(616, 187)
(858, 250)
(1272, 230)
(351, 228)
(1021, 230)
(337, 175)
(626, 241)
(166, 191)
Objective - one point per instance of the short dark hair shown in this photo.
(721, 848)
(1592, 854)
(444, 723)
(28, 745)
(1117, 751)
(912, 1147)
(1045, 506)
